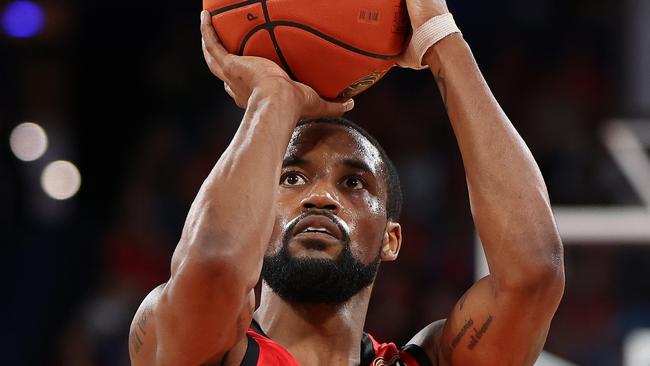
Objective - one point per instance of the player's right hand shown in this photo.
(244, 75)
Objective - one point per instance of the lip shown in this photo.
(318, 222)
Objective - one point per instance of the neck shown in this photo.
(315, 334)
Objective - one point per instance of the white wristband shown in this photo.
(428, 34)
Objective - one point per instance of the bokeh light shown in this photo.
(23, 19)
(61, 180)
(28, 141)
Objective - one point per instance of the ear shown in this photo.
(392, 242)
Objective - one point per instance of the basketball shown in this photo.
(339, 48)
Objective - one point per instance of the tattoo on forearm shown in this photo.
(138, 332)
(478, 333)
(442, 87)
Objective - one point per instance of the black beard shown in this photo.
(317, 280)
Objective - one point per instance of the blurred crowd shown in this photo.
(126, 87)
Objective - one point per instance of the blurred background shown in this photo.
(125, 122)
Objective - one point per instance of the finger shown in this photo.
(315, 106)
(211, 39)
(213, 65)
(330, 109)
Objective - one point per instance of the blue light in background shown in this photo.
(22, 19)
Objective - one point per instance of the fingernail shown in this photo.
(203, 16)
(348, 105)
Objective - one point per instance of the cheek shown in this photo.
(287, 208)
(369, 226)
(275, 241)
(280, 222)
(375, 207)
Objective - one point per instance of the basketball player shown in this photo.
(313, 208)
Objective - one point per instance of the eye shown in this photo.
(354, 182)
(292, 179)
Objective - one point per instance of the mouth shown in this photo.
(318, 226)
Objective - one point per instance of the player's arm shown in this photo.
(504, 318)
(204, 308)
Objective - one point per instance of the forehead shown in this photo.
(335, 142)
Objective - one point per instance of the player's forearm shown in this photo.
(508, 196)
(201, 312)
(233, 213)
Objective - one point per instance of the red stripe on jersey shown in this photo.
(271, 353)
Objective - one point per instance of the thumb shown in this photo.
(330, 109)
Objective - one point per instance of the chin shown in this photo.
(306, 275)
(310, 248)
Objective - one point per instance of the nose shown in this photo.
(321, 198)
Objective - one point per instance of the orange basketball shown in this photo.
(339, 48)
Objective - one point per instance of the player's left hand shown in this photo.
(422, 10)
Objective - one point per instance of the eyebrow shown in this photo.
(295, 160)
(358, 164)
(292, 160)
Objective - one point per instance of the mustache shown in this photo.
(288, 231)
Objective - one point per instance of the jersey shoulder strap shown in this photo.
(264, 351)
(418, 354)
(252, 352)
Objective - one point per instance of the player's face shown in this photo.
(331, 223)
(331, 193)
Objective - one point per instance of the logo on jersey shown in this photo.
(393, 361)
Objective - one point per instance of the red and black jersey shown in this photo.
(262, 351)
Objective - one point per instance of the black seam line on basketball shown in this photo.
(276, 46)
(233, 6)
(248, 36)
(275, 23)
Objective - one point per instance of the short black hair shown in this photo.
(393, 187)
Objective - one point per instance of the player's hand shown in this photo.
(243, 75)
(422, 10)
